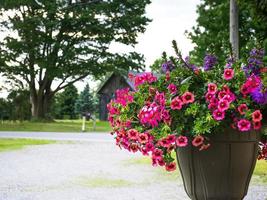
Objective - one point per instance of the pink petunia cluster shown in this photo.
(219, 100)
(251, 84)
(124, 96)
(178, 102)
(150, 114)
(146, 77)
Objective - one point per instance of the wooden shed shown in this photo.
(107, 90)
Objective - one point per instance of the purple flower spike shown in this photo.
(209, 62)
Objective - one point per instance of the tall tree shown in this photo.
(67, 100)
(86, 102)
(60, 42)
(211, 33)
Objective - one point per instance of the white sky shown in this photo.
(170, 20)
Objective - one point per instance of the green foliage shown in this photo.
(86, 102)
(65, 103)
(18, 106)
(211, 33)
(66, 41)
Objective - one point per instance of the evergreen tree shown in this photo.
(67, 100)
(86, 102)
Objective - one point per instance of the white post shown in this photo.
(83, 126)
(234, 28)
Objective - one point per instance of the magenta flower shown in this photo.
(176, 104)
(218, 115)
(150, 147)
(212, 88)
(170, 166)
(172, 88)
(243, 125)
(133, 134)
(256, 116)
(209, 96)
(134, 147)
(257, 125)
(143, 138)
(228, 74)
(242, 108)
(197, 141)
(171, 139)
(150, 115)
(188, 97)
(223, 105)
(181, 141)
(157, 154)
(160, 98)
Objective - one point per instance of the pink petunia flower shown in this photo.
(242, 108)
(157, 154)
(209, 96)
(223, 105)
(188, 97)
(228, 74)
(133, 134)
(143, 138)
(134, 147)
(212, 88)
(150, 147)
(172, 88)
(181, 141)
(256, 116)
(170, 166)
(176, 104)
(257, 125)
(197, 141)
(243, 125)
(171, 138)
(218, 115)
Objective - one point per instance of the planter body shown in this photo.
(224, 170)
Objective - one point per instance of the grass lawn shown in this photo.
(57, 126)
(15, 144)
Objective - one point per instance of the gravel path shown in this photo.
(88, 171)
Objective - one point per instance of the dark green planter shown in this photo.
(223, 171)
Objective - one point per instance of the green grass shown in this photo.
(16, 144)
(56, 126)
(102, 182)
(260, 171)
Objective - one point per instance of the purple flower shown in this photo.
(259, 95)
(254, 62)
(167, 66)
(209, 62)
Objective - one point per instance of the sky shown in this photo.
(170, 20)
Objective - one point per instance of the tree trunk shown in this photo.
(41, 106)
(234, 26)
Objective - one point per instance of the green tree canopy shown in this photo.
(58, 42)
(211, 34)
(86, 103)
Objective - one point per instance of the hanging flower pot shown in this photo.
(209, 115)
(224, 170)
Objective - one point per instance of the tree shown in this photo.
(63, 41)
(211, 34)
(67, 100)
(18, 103)
(86, 102)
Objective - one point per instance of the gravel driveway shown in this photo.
(88, 171)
